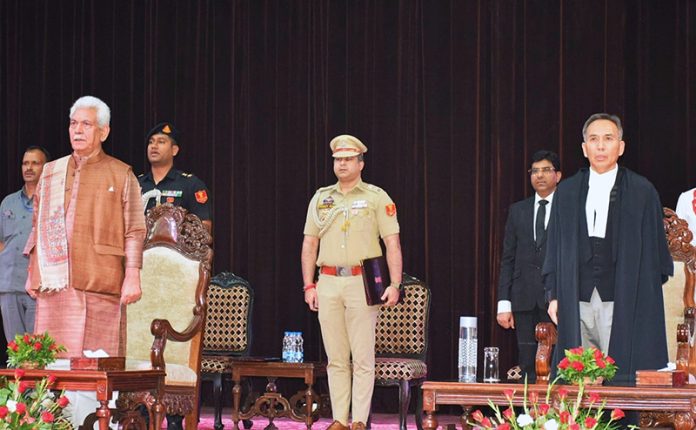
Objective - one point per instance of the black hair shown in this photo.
(547, 155)
(39, 148)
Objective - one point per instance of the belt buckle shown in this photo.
(343, 271)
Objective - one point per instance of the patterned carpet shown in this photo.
(379, 422)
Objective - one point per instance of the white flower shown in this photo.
(551, 425)
(11, 405)
(524, 420)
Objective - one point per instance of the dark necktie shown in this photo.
(540, 218)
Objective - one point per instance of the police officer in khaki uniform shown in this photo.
(343, 226)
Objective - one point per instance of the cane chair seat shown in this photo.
(212, 364)
(401, 344)
(400, 368)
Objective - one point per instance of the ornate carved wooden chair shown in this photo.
(678, 295)
(402, 344)
(227, 331)
(174, 281)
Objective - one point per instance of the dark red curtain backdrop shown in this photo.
(451, 97)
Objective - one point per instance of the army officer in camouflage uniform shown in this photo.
(344, 224)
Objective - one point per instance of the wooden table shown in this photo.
(104, 383)
(664, 405)
(272, 404)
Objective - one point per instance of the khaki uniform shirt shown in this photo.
(349, 225)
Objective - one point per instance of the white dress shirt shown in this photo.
(597, 204)
(686, 209)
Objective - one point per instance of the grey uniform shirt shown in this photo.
(15, 225)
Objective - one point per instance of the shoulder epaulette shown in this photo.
(186, 175)
(326, 188)
(373, 188)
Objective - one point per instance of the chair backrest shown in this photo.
(678, 291)
(228, 317)
(174, 281)
(402, 330)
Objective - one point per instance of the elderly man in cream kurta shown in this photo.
(344, 224)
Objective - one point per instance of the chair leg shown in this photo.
(217, 400)
(419, 407)
(404, 400)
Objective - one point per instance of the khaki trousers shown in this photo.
(348, 329)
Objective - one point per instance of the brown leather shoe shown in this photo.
(357, 426)
(336, 425)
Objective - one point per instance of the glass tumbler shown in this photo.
(490, 364)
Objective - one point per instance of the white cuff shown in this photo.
(504, 306)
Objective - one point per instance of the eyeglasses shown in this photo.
(543, 170)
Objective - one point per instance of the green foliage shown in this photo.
(23, 408)
(37, 349)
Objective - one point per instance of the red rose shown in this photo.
(21, 408)
(504, 426)
(13, 346)
(574, 427)
(19, 373)
(562, 393)
(594, 397)
(26, 338)
(563, 365)
(22, 387)
(47, 417)
(508, 413)
(597, 354)
(577, 351)
(51, 379)
(577, 365)
(617, 414)
(509, 394)
(610, 360)
(486, 423)
(38, 346)
(477, 415)
(3, 411)
(544, 408)
(601, 364)
(63, 401)
(590, 422)
(564, 417)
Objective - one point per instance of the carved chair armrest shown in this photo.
(547, 336)
(163, 331)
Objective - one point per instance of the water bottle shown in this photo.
(467, 349)
(299, 358)
(287, 347)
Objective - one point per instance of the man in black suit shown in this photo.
(521, 302)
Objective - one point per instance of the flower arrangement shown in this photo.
(586, 365)
(582, 412)
(564, 414)
(36, 350)
(22, 408)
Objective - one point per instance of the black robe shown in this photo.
(642, 260)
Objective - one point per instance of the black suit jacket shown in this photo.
(520, 268)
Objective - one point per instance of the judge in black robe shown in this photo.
(642, 264)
